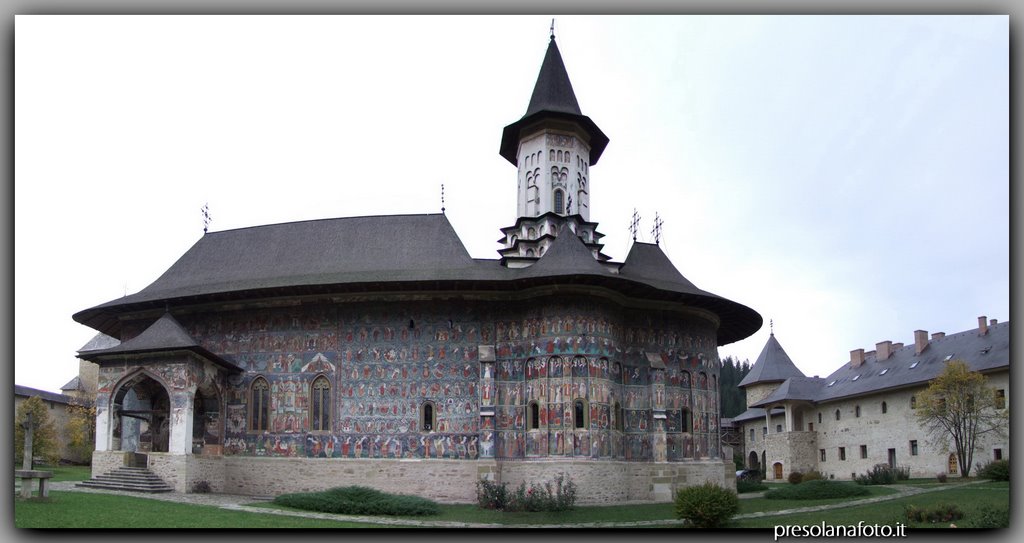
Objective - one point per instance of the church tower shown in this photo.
(553, 147)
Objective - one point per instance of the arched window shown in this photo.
(856, 411)
(534, 415)
(819, 418)
(837, 414)
(579, 413)
(259, 405)
(620, 417)
(428, 416)
(559, 201)
(529, 253)
(513, 240)
(320, 394)
(885, 408)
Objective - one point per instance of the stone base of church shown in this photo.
(445, 481)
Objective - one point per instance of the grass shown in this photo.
(758, 505)
(970, 498)
(93, 510)
(67, 473)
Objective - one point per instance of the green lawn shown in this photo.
(970, 499)
(91, 510)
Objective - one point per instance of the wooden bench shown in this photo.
(28, 476)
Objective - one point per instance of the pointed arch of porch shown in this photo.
(137, 414)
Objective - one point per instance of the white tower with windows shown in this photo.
(553, 146)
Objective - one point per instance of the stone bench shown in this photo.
(28, 476)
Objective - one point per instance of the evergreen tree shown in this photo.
(733, 401)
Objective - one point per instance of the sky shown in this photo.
(845, 176)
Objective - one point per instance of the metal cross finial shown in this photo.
(656, 231)
(552, 28)
(206, 217)
(442, 198)
(771, 326)
(635, 224)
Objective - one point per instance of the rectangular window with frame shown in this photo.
(842, 453)
(822, 452)
(1000, 398)
(913, 447)
(863, 451)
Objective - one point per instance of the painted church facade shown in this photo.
(376, 351)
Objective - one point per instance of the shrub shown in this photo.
(358, 500)
(883, 474)
(817, 490)
(707, 505)
(991, 517)
(744, 486)
(943, 512)
(942, 477)
(995, 470)
(559, 495)
(491, 495)
(813, 475)
(795, 477)
(201, 487)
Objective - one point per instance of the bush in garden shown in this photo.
(944, 512)
(491, 495)
(812, 475)
(795, 477)
(744, 486)
(941, 477)
(996, 470)
(358, 500)
(559, 495)
(991, 517)
(707, 505)
(817, 490)
(883, 474)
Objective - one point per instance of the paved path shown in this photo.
(243, 503)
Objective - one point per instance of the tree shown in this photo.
(959, 405)
(733, 400)
(45, 443)
(80, 430)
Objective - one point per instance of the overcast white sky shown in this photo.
(845, 176)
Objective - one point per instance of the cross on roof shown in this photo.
(634, 224)
(656, 231)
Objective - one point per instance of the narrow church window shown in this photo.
(559, 202)
(856, 411)
(579, 413)
(1001, 399)
(321, 397)
(620, 417)
(913, 402)
(686, 425)
(259, 405)
(863, 451)
(551, 156)
(913, 447)
(752, 435)
(819, 418)
(534, 415)
(842, 453)
(822, 452)
(885, 408)
(837, 414)
(778, 428)
(428, 416)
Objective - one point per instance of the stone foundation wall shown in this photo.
(172, 468)
(453, 481)
(107, 461)
(207, 468)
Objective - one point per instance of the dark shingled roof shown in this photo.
(793, 389)
(43, 394)
(772, 365)
(981, 353)
(647, 262)
(552, 98)
(166, 334)
(567, 255)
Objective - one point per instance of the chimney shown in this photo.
(897, 346)
(982, 325)
(920, 341)
(992, 322)
(938, 335)
(884, 349)
(856, 358)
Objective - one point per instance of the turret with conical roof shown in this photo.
(553, 145)
(773, 366)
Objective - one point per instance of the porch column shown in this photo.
(180, 439)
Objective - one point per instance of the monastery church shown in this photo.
(380, 353)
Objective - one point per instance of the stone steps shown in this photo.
(128, 479)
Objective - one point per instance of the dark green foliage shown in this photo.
(707, 505)
(882, 474)
(812, 476)
(557, 496)
(795, 477)
(944, 512)
(996, 470)
(745, 486)
(941, 477)
(820, 489)
(990, 517)
(358, 500)
(732, 399)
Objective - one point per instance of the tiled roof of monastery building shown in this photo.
(398, 252)
(772, 365)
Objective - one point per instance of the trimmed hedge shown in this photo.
(707, 505)
(996, 470)
(819, 489)
(358, 500)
